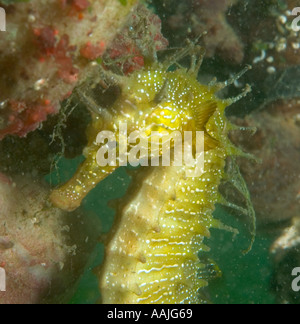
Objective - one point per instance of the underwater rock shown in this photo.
(62, 134)
(42, 250)
(46, 51)
(200, 16)
(221, 38)
(138, 41)
(273, 183)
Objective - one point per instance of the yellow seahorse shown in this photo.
(152, 255)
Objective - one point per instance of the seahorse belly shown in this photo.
(152, 256)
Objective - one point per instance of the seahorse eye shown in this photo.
(164, 118)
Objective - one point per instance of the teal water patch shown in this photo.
(62, 170)
(87, 292)
(246, 279)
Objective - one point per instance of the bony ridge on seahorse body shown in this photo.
(152, 253)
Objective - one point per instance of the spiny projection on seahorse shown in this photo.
(152, 254)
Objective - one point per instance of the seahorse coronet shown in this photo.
(152, 254)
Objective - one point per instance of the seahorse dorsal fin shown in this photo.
(204, 112)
